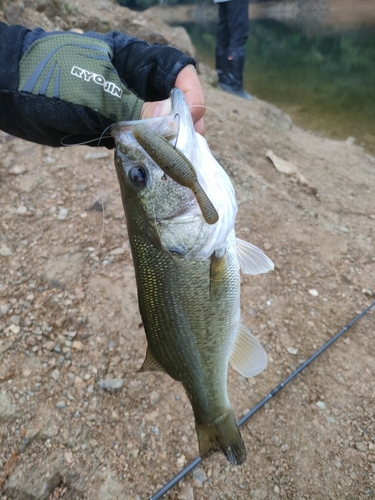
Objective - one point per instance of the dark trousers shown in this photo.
(232, 33)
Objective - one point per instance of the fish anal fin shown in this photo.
(248, 356)
(252, 259)
(223, 434)
(150, 364)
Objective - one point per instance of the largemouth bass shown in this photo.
(187, 270)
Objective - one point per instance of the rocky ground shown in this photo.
(76, 419)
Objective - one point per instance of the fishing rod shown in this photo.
(261, 403)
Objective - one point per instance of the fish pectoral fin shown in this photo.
(248, 356)
(150, 364)
(252, 260)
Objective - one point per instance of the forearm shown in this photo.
(49, 89)
(147, 70)
(29, 112)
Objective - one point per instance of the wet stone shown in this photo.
(50, 345)
(15, 329)
(361, 446)
(17, 170)
(110, 384)
(21, 210)
(55, 374)
(181, 461)
(154, 397)
(97, 206)
(320, 405)
(77, 345)
(8, 411)
(5, 251)
(4, 309)
(292, 350)
(199, 476)
(63, 213)
(15, 319)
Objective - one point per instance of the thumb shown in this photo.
(157, 108)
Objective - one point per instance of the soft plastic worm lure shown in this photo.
(177, 166)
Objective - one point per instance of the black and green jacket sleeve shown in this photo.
(67, 88)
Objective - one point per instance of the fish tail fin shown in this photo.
(223, 434)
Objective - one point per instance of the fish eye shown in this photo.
(138, 176)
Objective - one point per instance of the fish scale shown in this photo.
(187, 345)
(189, 299)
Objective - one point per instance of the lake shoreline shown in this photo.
(330, 15)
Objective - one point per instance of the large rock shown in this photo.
(8, 411)
(37, 483)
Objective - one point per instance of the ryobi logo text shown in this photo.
(109, 87)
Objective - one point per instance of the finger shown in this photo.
(199, 127)
(187, 80)
(164, 108)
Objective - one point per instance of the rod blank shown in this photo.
(261, 403)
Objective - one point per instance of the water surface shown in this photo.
(325, 80)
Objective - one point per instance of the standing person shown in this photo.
(62, 87)
(232, 33)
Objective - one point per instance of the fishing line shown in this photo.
(83, 143)
(261, 403)
(207, 108)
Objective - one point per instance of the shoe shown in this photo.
(239, 93)
(229, 72)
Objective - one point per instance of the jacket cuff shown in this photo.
(150, 71)
(11, 38)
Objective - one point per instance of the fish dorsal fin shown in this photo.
(248, 356)
(150, 364)
(252, 260)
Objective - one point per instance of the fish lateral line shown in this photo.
(175, 164)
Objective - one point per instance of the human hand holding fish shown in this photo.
(187, 267)
(187, 80)
(67, 88)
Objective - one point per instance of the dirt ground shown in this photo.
(69, 319)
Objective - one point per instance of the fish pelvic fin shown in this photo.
(218, 268)
(150, 364)
(223, 434)
(248, 356)
(252, 259)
